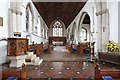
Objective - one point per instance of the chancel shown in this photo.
(60, 40)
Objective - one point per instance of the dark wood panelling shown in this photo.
(65, 11)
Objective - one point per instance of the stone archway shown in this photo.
(80, 25)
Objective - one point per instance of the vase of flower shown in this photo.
(112, 46)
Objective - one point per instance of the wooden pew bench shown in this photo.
(41, 48)
(45, 47)
(20, 74)
(100, 72)
(74, 48)
(50, 48)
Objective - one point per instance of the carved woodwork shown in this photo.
(99, 72)
(16, 46)
(39, 48)
(112, 57)
(19, 73)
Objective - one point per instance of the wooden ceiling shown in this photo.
(65, 11)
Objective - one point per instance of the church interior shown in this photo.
(59, 40)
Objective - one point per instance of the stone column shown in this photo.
(10, 26)
(103, 29)
(99, 35)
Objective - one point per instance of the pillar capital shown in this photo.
(16, 11)
(101, 12)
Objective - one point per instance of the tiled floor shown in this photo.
(64, 70)
(60, 53)
(62, 65)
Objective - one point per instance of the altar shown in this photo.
(57, 43)
(57, 40)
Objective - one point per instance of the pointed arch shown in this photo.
(81, 20)
(80, 26)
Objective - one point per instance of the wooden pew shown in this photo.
(41, 48)
(50, 48)
(19, 73)
(68, 47)
(81, 47)
(74, 48)
(99, 72)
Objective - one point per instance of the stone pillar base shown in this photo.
(17, 61)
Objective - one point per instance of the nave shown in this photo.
(60, 64)
(60, 40)
(60, 53)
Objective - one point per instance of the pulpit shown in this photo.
(16, 51)
(17, 46)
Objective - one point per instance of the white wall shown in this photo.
(93, 20)
(112, 7)
(113, 17)
(21, 25)
(35, 38)
(119, 22)
(4, 5)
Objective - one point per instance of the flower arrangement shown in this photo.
(112, 46)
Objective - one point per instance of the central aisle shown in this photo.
(60, 53)
(61, 65)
